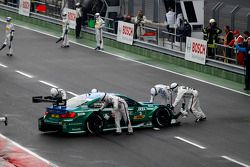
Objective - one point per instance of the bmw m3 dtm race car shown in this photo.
(80, 114)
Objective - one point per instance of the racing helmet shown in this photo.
(94, 90)
(103, 97)
(8, 19)
(78, 4)
(64, 14)
(97, 15)
(174, 86)
(153, 91)
(54, 92)
(212, 21)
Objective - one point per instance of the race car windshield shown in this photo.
(77, 101)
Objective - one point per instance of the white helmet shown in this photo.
(64, 14)
(103, 97)
(153, 91)
(97, 15)
(212, 21)
(173, 86)
(8, 19)
(54, 92)
(78, 4)
(94, 90)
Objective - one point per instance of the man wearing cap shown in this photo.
(211, 33)
(238, 40)
(99, 24)
(9, 34)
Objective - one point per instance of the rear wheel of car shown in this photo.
(162, 117)
(94, 124)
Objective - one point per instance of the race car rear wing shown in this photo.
(49, 99)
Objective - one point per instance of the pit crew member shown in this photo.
(120, 110)
(164, 92)
(190, 96)
(9, 35)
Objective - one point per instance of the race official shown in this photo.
(190, 96)
(78, 20)
(211, 33)
(163, 91)
(99, 24)
(120, 110)
(9, 35)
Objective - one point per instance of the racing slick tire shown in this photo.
(162, 117)
(94, 124)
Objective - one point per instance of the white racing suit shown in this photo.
(189, 95)
(163, 91)
(99, 24)
(120, 110)
(9, 34)
(65, 31)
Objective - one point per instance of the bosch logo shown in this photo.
(198, 48)
(127, 31)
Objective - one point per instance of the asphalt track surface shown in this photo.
(219, 141)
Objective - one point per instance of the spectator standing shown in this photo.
(139, 24)
(246, 36)
(170, 19)
(211, 33)
(78, 20)
(187, 30)
(246, 50)
(238, 39)
(229, 36)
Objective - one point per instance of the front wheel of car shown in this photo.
(162, 117)
(94, 124)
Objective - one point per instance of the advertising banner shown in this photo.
(125, 32)
(196, 50)
(24, 7)
(72, 17)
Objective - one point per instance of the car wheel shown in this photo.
(94, 124)
(162, 117)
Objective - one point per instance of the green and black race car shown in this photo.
(81, 115)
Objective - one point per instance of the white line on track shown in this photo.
(237, 162)
(72, 93)
(2, 65)
(24, 74)
(129, 59)
(189, 142)
(27, 150)
(49, 84)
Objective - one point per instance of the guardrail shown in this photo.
(142, 44)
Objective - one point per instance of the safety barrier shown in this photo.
(214, 67)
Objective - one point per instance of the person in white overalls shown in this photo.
(9, 35)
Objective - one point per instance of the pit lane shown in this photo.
(78, 69)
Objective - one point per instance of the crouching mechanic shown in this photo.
(190, 95)
(120, 110)
(60, 95)
(9, 34)
(163, 91)
(65, 31)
